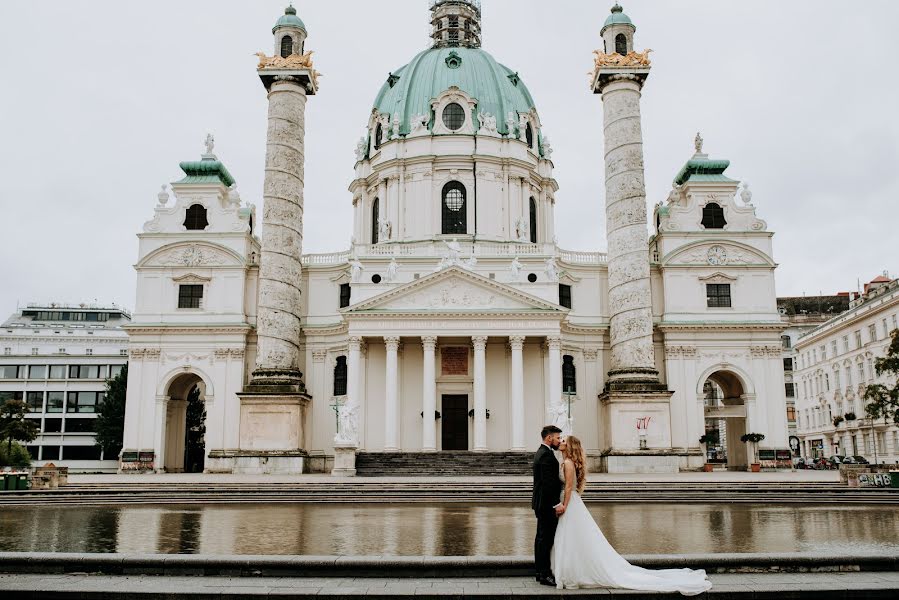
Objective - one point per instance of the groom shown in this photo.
(546, 502)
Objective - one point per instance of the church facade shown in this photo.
(454, 322)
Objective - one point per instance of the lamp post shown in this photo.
(569, 393)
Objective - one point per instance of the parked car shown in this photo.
(848, 460)
(834, 462)
(820, 464)
(861, 460)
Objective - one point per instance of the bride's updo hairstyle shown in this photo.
(575, 453)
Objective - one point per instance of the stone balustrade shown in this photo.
(437, 249)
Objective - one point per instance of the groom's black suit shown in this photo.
(547, 494)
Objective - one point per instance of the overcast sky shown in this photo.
(100, 100)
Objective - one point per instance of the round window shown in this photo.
(453, 117)
(532, 278)
(454, 199)
(376, 279)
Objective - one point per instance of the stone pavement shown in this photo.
(778, 586)
(804, 476)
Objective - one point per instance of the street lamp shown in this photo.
(569, 394)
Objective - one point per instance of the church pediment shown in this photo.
(192, 254)
(717, 254)
(454, 290)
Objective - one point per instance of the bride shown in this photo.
(583, 558)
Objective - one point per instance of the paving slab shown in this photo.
(112, 587)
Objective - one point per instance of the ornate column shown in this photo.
(633, 393)
(391, 396)
(480, 393)
(352, 371)
(280, 272)
(274, 404)
(516, 343)
(429, 395)
(554, 358)
(162, 416)
(632, 355)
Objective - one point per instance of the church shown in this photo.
(454, 325)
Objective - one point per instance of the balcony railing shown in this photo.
(438, 249)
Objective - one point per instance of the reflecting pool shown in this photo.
(440, 530)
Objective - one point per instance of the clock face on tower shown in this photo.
(717, 255)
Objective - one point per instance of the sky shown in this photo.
(101, 99)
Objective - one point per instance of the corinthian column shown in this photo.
(278, 323)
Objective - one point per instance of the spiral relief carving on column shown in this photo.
(282, 242)
(632, 354)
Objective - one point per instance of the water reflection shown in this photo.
(440, 530)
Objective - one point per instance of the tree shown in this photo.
(883, 400)
(14, 425)
(110, 422)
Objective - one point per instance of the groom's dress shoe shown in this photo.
(548, 580)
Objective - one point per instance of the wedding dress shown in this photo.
(583, 558)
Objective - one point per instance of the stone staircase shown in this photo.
(443, 464)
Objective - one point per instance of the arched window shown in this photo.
(713, 216)
(453, 116)
(286, 46)
(340, 376)
(621, 44)
(375, 216)
(533, 221)
(455, 217)
(379, 131)
(569, 378)
(196, 218)
(529, 136)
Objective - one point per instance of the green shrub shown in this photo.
(15, 456)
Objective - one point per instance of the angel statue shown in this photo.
(454, 252)
(356, 269)
(552, 269)
(515, 269)
(210, 143)
(361, 148)
(348, 417)
(392, 269)
(384, 230)
(521, 230)
(746, 194)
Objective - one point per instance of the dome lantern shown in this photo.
(618, 32)
(456, 23)
(290, 33)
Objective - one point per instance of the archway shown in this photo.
(725, 415)
(185, 429)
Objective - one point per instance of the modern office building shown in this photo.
(57, 357)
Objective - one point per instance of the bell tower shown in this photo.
(290, 34)
(456, 23)
(618, 33)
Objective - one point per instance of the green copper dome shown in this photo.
(497, 89)
(290, 19)
(617, 18)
